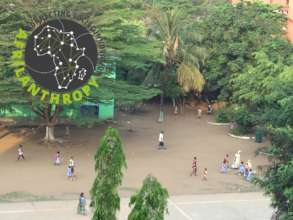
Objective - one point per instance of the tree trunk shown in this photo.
(50, 136)
(161, 116)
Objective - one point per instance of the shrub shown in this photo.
(223, 115)
(243, 118)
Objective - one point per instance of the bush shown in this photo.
(243, 119)
(223, 115)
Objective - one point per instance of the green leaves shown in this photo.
(110, 162)
(232, 33)
(150, 202)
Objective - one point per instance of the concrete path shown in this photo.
(242, 206)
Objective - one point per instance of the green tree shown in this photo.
(232, 33)
(110, 162)
(150, 202)
(31, 14)
(264, 89)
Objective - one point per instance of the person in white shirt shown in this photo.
(161, 140)
(20, 153)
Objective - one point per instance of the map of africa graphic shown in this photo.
(61, 55)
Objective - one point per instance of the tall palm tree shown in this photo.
(180, 46)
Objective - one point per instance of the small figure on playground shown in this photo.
(249, 175)
(69, 173)
(210, 109)
(20, 153)
(242, 168)
(224, 167)
(81, 208)
(71, 163)
(161, 141)
(205, 174)
(236, 161)
(226, 160)
(57, 159)
(194, 167)
(72, 168)
(248, 166)
(199, 113)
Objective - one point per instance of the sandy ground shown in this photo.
(186, 136)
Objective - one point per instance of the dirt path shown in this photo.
(9, 141)
(186, 136)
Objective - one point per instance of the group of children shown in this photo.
(246, 170)
(70, 172)
(243, 170)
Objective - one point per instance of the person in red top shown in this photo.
(194, 167)
(226, 160)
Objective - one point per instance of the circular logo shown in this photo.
(60, 55)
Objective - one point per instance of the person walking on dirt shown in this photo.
(81, 210)
(72, 167)
(194, 167)
(20, 152)
(71, 164)
(57, 159)
(199, 113)
(205, 174)
(161, 141)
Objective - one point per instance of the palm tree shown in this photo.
(181, 50)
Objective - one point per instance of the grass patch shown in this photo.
(22, 197)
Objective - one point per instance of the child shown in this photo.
(69, 173)
(226, 160)
(205, 174)
(249, 175)
(81, 205)
(57, 159)
(241, 168)
(20, 153)
(210, 109)
(71, 164)
(224, 167)
(194, 167)
(199, 113)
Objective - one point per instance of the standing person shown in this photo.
(72, 167)
(205, 174)
(242, 168)
(20, 152)
(81, 210)
(194, 167)
(71, 163)
(161, 140)
(224, 167)
(57, 159)
(69, 173)
(226, 160)
(210, 109)
(199, 113)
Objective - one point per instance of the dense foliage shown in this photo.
(150, 202)
(232, 33)
(110, 162)
(235, 53)
(266, 89)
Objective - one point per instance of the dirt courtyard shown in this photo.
(185, 135)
